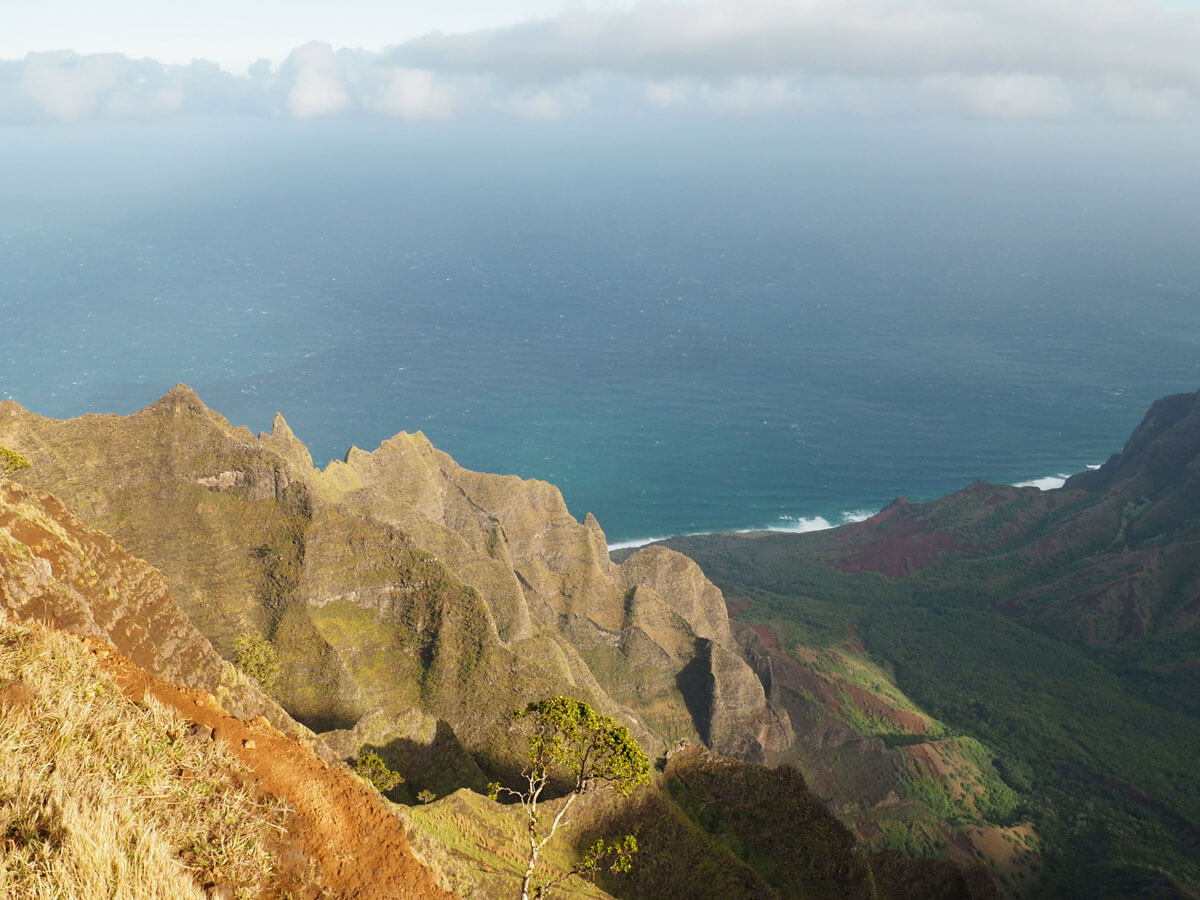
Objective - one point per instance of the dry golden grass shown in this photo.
(102, 797)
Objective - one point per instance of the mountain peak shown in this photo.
(1159, 451)
(178, 399)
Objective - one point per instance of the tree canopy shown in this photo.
(569, 740)
(569, 736)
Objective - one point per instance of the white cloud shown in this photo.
(1016, 96)
(996, 58)
(749, 95)
(1121, 97)
(537, 105)
(316, 83)
(1009, 58)
(412, 94)
(63, 86)
(545, 104)
(675, 92)
(67, 91)
(877, 38)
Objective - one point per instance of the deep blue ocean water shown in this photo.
(685, 327)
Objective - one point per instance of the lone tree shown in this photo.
(11, 462)
(371, 768)
(569, 740)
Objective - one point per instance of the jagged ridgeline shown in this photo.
(404, 606)
(405, 597)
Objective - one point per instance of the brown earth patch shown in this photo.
(895, 542)
(737, 607)
(880, 708)
(901, 554)
(1006, 853)
(358, 849)
(767, 635)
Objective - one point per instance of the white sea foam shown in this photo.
(1046, 483)
(795, 525)
(787, 524)
(857, 515)
(1050, 482)
(639, 542)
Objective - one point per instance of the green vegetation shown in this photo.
(374, 771)
(477, 846)
(11, 462)
(282, 556)
(256, 657)
(768, 819)
(1090, 743)
(569, 741)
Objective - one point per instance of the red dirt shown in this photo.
(881, 709)
(767, 635)
(790, 673)
(898, 542)
(359, 849)
(903, 551)
(737, 606)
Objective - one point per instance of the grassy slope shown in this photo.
(708, 827)
(1102, 761)
(891, 771)
(100, 797)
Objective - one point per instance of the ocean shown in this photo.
(686, 326)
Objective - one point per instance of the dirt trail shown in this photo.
(360, 850)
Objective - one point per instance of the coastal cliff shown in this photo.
(397, 583)
(411, 605)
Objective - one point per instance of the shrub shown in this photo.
(256, 657)
(11, 462)
(370, 768)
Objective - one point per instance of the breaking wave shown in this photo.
(1045, 483)
(1049, 482)
(787, 524)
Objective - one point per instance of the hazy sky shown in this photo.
(235, 33)
(548, 59)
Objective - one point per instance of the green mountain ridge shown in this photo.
(412, 603)
(1060, 628)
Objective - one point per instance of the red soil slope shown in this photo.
(358, 848)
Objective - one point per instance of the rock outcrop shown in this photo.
(397, 581)
(57, 571)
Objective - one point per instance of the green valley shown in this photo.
(1058, 628)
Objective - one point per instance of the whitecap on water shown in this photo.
(1049, 482)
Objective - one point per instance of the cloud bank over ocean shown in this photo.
(1009, 60)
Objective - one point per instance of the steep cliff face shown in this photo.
(397, 582)
(57, 571)
(1162, 451)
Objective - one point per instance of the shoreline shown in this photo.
(805, 524)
